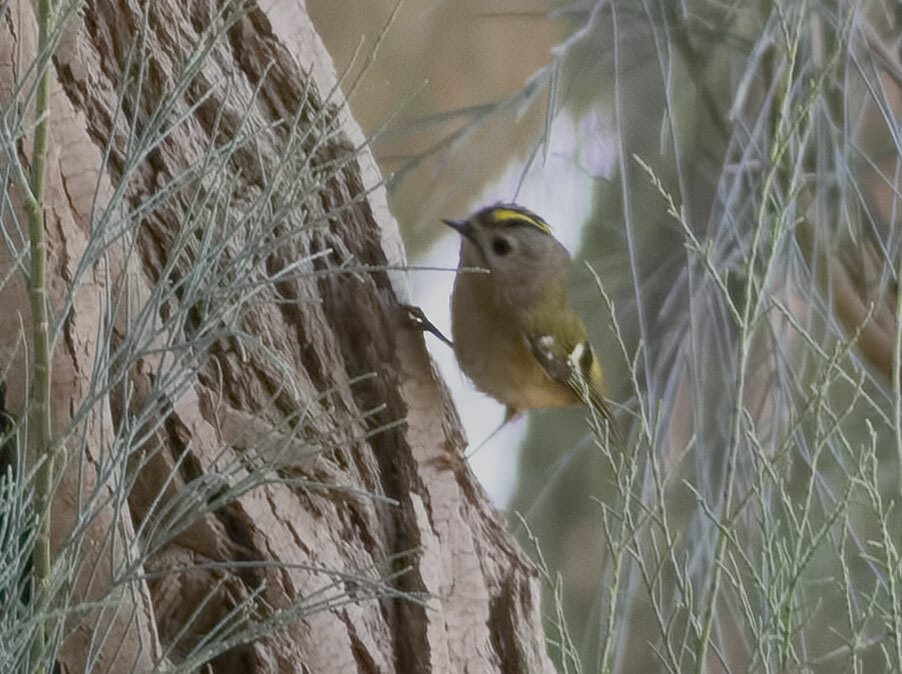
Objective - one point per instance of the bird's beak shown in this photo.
(464, 228)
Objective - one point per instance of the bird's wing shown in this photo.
(574, 366)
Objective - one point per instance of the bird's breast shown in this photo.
(495, 356)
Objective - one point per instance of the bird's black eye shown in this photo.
(500, 246)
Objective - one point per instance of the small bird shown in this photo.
(513, 330)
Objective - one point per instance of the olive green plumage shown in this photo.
(513, 330)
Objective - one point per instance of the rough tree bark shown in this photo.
(434, 529)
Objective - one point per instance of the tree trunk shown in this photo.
(255, 442)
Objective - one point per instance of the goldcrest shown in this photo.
(513, 330)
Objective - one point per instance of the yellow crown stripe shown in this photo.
(500, 214)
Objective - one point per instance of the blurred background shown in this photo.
(730, 172)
